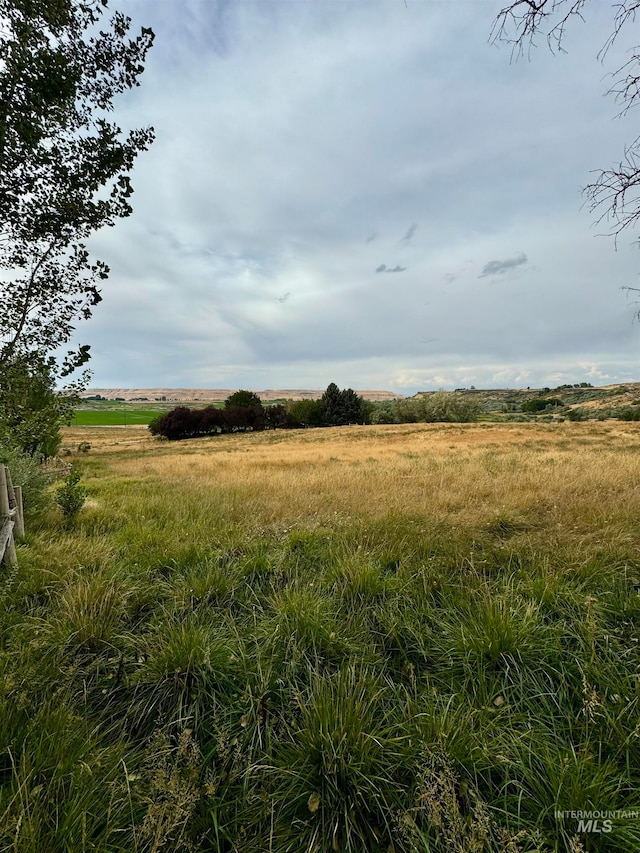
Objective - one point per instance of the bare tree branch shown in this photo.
(526, 18)
(615, 193)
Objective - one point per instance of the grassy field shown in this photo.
(401, 639)
(122, 416)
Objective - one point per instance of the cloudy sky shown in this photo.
(366, 192)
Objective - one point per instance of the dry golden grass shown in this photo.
(575, 480)
(430, 630)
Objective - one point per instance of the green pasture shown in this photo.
(116, 413)
(113, 417)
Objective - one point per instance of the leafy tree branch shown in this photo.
(64, 174)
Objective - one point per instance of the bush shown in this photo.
(302, 413)
(384, 414)
(629, 414)
(27, 471)
(449, 407)
(71, 497)
(438, 407)
(155, 425)
(178, 423)
(407, 411)
(276, 416)
(577, 415)
(367, 408)
(540, 405)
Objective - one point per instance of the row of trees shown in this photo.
(243, 411)
(183, 422)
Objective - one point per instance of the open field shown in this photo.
(415, 639)
(114, 416)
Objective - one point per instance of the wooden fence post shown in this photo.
(7, 544)
(19, 519)
(15, 505)
(10, 492)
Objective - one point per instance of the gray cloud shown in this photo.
(409, 235)
(501, 267)
(384, 268)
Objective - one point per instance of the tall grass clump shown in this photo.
(185, 666)
(343, 771)
(56, 769)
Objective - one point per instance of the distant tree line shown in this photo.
(183, 422)
(244, 412)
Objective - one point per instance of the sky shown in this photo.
(365, 192)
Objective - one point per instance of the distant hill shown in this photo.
(494, 401)
(578, 396)
(216, 395)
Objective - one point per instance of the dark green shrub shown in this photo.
(384, 414)
(629, 414)
(577, 415)
(367, 408)
(155, 426)
(303, 413)
(540, 404)
(71, 496)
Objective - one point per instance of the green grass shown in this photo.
(115, 413)
(114, 417)
(201, 663)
